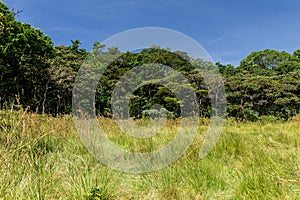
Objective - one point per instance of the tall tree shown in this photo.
(264, 62)
(61, 75)
(25, 52)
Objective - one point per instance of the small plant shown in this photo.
(98, 193)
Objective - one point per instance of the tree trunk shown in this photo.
(45, 97)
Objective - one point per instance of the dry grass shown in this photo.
(42, 157)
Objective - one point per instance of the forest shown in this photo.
(40, 76)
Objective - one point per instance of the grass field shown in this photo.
(42, 157)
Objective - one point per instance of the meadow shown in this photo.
(42, 157)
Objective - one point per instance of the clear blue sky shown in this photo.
(228, 29)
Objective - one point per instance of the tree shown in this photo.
(264, 84)
(153, 93)
(62, 72)
(25, 52)
(264, 62)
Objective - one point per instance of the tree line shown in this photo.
(36, 74)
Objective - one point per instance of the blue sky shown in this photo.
(228, 29)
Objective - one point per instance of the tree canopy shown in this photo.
(36, 74)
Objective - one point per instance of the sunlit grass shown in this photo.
(42, 157)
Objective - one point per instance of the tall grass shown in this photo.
(42, 157)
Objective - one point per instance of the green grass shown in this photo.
(42, 157)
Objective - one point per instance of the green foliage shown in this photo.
(148, 95)
(252, 96)
(34, 73)
(61, 75)
(264, 62)
(24, 59)
(265, 83)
